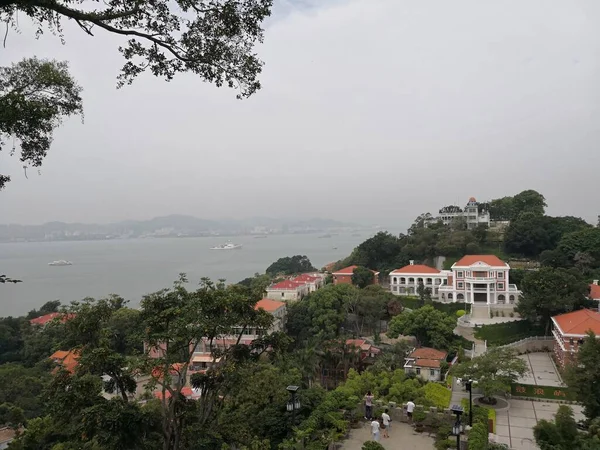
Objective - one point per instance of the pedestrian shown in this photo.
(375, 430)
(369, 406)
(385, 425)
(410, 407)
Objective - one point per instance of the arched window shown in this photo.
(501, 299)
(411, 280)
(419, 280)
(395, 280)
(511, 299)
(443, 296)
(450, 297)
(460, 297)
(429, 281)
(402, 280)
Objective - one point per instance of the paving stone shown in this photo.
(515, 413)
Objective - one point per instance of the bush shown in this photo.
(438, 394)
(460, 313)
(478, 437)
(419, 415)
(505, 333)
(372, 445)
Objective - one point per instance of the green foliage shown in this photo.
(548, 292)
(22, 387)
(478, 437)
(290, 266)
(372, 445)
(579, 249)
(212, 40)
(583, 378)
(563, 433)
(438, 394)
(507, 332)
(494, 371)
(431, 328)
(362, 277)
(460, 313)
(34, 97)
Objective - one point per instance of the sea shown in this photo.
(134, 267)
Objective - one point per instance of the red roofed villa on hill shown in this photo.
(569, 331)
(595, 291)
(344, 276)
(296, 288)
(47, 318)
(426, 363)
(482, 279)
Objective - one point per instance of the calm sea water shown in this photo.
(132, 268)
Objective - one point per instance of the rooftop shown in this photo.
(579, 322)
(490, 260)
(349, 271)
(269, 305)
(428, 353)
(416, 268)
(68, 359)
(286, 285)
(43, 320)
(594, 291)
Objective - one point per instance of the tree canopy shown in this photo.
(213, 39)
(290, 266)
(35, 95)
(431, 327)
(362, 277)
(583, 378)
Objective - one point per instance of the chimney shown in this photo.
(412, 263)
(595, 282)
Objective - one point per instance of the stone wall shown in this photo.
(532, 344)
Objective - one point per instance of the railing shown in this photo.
(525, 340)
(482, 279)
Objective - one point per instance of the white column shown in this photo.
(472, 294)
(488, 293)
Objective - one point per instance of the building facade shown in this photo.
(344, 276)
(406, 280)
(472, 214)
(426, 363)
(569, 330)
(480, 279)
(296, 288)
(595, 291)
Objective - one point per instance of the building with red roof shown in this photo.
(66, 358)
(480, 279)
(288, 290)
(344, 276)
(426, 363)
(569, 331)
(47, 318)
(406, 280)
(595, 291)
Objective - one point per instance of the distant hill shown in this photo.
(165, 226)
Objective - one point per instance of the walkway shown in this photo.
(402, 437)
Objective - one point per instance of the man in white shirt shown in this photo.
(375, 430)
(385, 418)
(410, 407)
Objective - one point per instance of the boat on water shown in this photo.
(60, 262)
(227, 246)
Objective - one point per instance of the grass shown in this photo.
(505, 333)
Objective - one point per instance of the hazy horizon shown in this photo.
(370, 112)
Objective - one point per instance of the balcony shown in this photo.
(482, 279)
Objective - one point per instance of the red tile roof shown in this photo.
(269, 305)
(579, 322)
(416, 268)
(305, 278)
(286, 285)
(594, 292)
(431, 363)
(469, 260)
(68, 359)
(428, 353)
(349, 271)
(43, 320)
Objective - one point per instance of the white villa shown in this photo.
(471, 213)
(478, 279)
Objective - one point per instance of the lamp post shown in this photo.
(469, 387)
(457, 427)
(294, 403)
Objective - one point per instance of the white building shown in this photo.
(472, 214)
(480, 279)
(296, 288)
(406, 280)
(426, 363)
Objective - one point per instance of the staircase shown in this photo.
(480, 311)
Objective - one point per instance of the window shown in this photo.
(282, 294)
(395, 280)
(418, 371)
(431, 372)
(500, 274)
(571, 341)
(460, 284)
(459, 274)
(500, 286)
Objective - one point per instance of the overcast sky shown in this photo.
(371, 110)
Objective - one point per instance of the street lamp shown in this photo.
(294, 403)
(457, 427)
(469, 387)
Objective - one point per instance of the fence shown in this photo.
(547, 392)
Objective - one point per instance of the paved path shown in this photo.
(402, 437)
(514, 426)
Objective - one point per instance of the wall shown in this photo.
(342, 279)
(532, 344)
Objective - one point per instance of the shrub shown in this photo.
(438, 394)
(460, 313)
(478, 437)
(372, 445)
(497, 313)
(507, 332)
(511, 314)
(419, 415)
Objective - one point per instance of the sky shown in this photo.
(371, 111)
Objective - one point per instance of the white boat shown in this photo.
(60, 262)
(227, 246)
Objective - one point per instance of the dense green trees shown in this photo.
(362, 277)
(431, 327)
(583, 378)
(510, 208)
(494, 371)
(290, 266)
(562, 434)
(549, 292)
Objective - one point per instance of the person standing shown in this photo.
(369, 406)
(385, 425)
(410, 407)
(375, 429)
